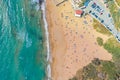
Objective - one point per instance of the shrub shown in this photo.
(99, 41)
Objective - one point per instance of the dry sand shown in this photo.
(72, 41)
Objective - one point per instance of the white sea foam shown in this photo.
(37, 7)
(43, 6)
(21, 36)
(37, 1)
(47, 35)
(28, 41)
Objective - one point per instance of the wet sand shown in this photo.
(72, 40)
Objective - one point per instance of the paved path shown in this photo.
(98, 11)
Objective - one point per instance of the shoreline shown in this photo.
(43, 8)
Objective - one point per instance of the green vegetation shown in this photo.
(113, 47)
(108, 0)
(99, 69)
(110, 69)
(102, 70)
(115, 12)
(82, 4)
(118, 2)
(105, 70)
(100, 28)
(99, 41)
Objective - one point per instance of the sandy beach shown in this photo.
(72, 40)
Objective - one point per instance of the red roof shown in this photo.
(79, 11)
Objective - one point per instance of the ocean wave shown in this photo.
(37, 3)
(47, 39)
(15, 37)
(28, 41)
(21, 36)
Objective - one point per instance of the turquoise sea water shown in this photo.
(22, 53)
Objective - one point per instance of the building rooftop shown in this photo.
(79, 12)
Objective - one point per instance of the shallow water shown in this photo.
(22, 54)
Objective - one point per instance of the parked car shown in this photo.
(102, 21)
